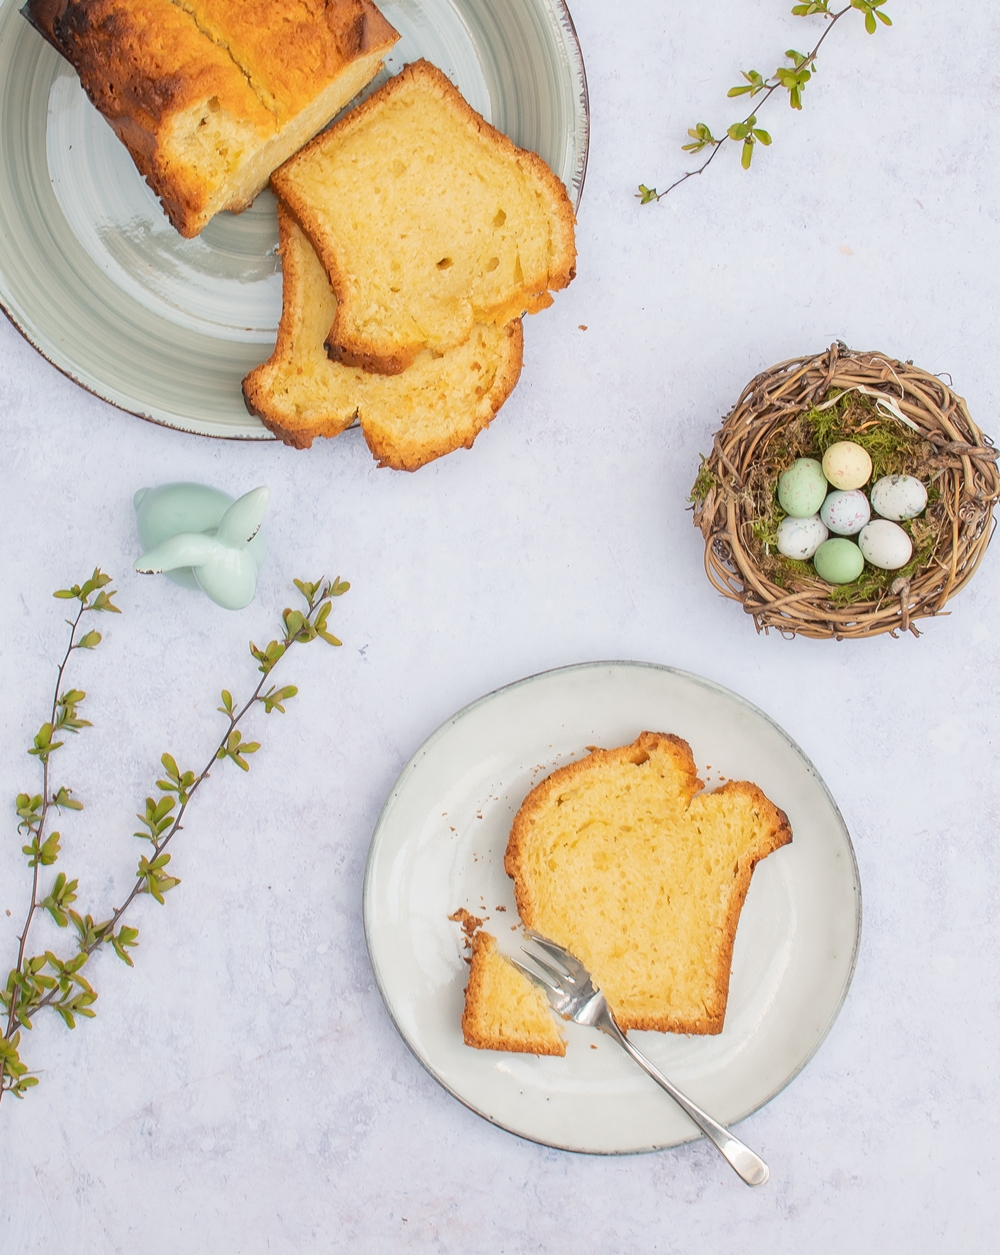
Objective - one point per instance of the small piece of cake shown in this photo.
(428, 221)
(621, 859)
(209, 96)
(441, 403)
(504, 1010)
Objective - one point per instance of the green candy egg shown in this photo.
(838, 561)
(802, 489)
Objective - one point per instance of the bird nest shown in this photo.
(910, 423)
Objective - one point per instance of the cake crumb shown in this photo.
(499, 908)
(470, 923)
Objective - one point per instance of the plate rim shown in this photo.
(177, 422)
(598, 664)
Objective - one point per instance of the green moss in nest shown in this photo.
(894, 450)
(703, 485)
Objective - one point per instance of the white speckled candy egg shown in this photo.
(885, 545)
(802, 488)
(846, 465)
(800, 538)
(898, 497)
(846, 513)
(838, 561)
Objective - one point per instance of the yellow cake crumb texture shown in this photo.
(621, 859)
(440, 403)
(504, 1010)
(428, 222)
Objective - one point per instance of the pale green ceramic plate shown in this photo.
(92, 273)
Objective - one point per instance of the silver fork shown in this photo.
(572, 992)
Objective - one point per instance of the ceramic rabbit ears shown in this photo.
(221, 561)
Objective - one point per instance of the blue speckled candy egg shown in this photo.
(802, 488)
(846, 513)
(800, 538)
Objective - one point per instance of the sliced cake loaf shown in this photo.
(503, 1009)
(209, 96)
(440, 403)
(620, 858)
(428, 221)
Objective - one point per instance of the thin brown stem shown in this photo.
(39, 831)
(159, 846)
(717, 146)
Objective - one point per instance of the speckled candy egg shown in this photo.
(885, 545)
(800, 538)
(846, 465)
(802, 488)
(898, 497)
(838, 561)
(846, 513)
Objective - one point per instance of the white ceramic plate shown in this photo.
(95, 277)
(439, 845)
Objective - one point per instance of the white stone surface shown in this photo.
(242, 1089)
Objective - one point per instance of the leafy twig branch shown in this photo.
(791, 78)
(46, 980)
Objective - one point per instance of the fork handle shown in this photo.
(741, 1158)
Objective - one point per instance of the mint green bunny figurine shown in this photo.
(202, 538)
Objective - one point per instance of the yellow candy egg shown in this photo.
(846, 465)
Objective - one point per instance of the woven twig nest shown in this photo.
(911, 423)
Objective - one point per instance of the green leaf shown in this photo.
(294, 622)
(747, 155)
(273, 698)
(89, 640)
(103, 602)
(64, 801)
(62, 893)
(124, 940)
(647, 194)
(235, 747)
(702, 137)
(267, 657)
(227, 703)
(28, 811)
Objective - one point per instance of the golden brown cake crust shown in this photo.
(484, 948)
(775, 832)
(343, 344)
(290, 48)
(144, 63)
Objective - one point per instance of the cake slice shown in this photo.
(428, 221)
(503, 1009)
(621, 859)
(440, 403)
(209, 96)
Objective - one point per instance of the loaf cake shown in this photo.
(209, 96)
(428, 222)
(621, 859)
(503, 1009)
(439, 404)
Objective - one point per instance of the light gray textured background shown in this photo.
(243, 1090)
